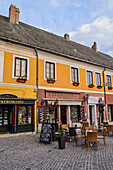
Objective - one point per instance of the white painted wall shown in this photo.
(1, 65)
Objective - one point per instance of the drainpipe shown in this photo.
(37, 85)
(105, 93)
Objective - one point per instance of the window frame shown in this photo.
(45, 69)
(99, 80)
(13, 70)
(21, 59)
(75, 68)
(87, 77)
(110, 80)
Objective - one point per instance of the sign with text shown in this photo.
(62, 95)
(46, 131)
(94, 100)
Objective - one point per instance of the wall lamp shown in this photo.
(85, 98)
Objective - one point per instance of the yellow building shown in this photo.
(79, 78)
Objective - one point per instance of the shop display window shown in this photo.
(24, 115)
(41, 114)
(74, 114)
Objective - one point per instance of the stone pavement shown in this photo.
(26, 153)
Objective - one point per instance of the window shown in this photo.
(98, 79)
(89, 77)
(20, 67)
(24, 115)
(108, 80)
(110, 111)
(50, 70)
(75, 114)
(74, 74)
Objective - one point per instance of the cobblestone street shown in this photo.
(25, 152)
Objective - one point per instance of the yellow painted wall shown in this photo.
(63, 79)
(8, 67)
(11, 88)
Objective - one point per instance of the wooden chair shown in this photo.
(110, 129)
(91, 128)
(92, 137)
(102, 136)
(85, 124)
(78, 136)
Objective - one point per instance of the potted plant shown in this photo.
(75, 83)
(91, 85)
(99, 86)
(110, 87)
(21, 79)
(50, 80)
(61, 138)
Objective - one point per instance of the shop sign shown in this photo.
(61, 95)
(14, 101)
(94, 100)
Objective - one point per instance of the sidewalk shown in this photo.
(24, 152)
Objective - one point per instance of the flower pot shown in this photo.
(109, 88)
(50, 81)
(61, 142)
(21, 80)
(99, 87)
(90, 86)
(75, 84)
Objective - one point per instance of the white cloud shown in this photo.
(100, 30)
(55, 3)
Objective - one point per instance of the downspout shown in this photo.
(37, 85)
(105, 93)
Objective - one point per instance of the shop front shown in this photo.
(94, 114)
(68, 110)
(16, 114)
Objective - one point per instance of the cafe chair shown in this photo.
(78, 136)
(110, 129)
(92, 137)
(102, 136)
(85, 124)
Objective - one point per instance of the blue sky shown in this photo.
(86, 21)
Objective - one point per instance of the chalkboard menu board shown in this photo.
(45, 135)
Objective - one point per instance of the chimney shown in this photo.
(17, 16)
(94, 47)
(66, 36)
(13, 14)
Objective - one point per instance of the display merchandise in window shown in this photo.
(24, 115)
(74, 114)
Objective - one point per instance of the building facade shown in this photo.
(17, 88)
(78, 87)
(77, 78)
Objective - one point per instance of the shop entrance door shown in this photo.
(90, 114)
(5, 118)
(63, 115)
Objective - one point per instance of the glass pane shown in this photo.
(24, 115)
(23, 68)
(88, 77)
(17, 67)
(74, 114)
